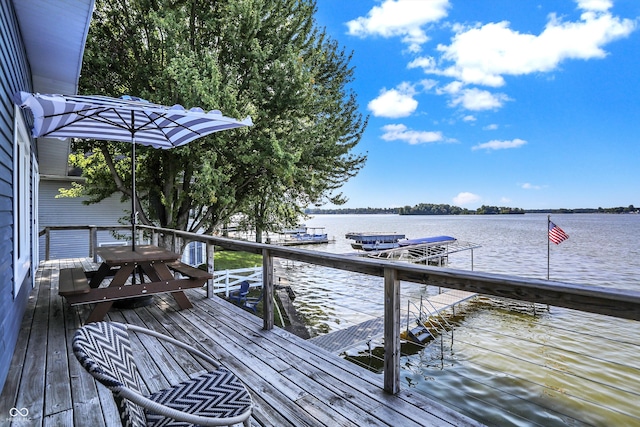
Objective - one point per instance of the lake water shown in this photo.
(505, 364)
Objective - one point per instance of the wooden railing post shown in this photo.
(210, 267)
(391, 331)
(93, 242)
(267, 289)
(47, 243)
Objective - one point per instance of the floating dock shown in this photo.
(372, 330)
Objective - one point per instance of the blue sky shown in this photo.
(530, 104)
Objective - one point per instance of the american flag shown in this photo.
(556, 235)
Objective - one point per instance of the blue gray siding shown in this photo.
(74, 243)
(14, 76)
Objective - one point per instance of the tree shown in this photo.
(261, 58)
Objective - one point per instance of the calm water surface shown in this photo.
(506, 365)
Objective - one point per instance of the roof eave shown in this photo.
(54, 36)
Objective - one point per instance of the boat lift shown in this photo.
(429, 253)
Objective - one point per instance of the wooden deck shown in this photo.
(292, 381)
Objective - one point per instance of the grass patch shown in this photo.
(233, 260)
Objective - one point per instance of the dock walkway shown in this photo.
(372, 330)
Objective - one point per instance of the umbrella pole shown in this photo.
(133, 193)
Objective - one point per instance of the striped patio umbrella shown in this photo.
(126, 119)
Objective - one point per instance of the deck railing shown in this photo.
(619, 303)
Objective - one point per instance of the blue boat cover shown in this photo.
(423, 240)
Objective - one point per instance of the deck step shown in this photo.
(420, 334)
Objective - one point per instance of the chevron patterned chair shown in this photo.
(213, 399)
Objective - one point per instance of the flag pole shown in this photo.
(548, 246)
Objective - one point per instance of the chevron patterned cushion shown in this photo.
(215, 394)
(104, 350)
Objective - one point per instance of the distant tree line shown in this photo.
(614, 210)
(432, 209)
(445, 209)
(314, 211)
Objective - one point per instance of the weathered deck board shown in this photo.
(292, 381)
(344, 339)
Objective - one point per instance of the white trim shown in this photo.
(22, 202)
(35, 220)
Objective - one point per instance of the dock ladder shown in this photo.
(428, 320)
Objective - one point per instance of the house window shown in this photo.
(21, 202)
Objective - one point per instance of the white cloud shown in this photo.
(400, 18)
(529, 186)
(394, 103)
(427, 63)
(469, 118)
(499, 145)
(597, 5)
(466, 198)
(477, 99)
(428, 84)
(399, 132)
(492, 126)
(484, 54)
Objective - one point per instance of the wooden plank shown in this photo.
(72, 281)
(315, 406)
(391, 331)
(32, 383)
(64, 418)
(188, 270)
(87, 406)
(58, 393)
(267, 289)
(188, 363)
(120, 255)
(9, 396)
(343, 339)
(114, 293)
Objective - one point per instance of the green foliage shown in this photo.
(260, 58)
(431, 209)
(494, 210)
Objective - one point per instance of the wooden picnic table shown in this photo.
(154, 266)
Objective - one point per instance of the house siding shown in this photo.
(74, 243)
(14, 76)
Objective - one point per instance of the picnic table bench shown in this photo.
(73, 281)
